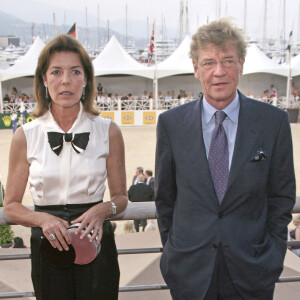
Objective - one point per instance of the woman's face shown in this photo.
(65, 79)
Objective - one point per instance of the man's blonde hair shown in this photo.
(218, 33)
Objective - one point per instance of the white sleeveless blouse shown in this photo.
(69, 178)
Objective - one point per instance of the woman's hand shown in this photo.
(92, 220)
(55, 230)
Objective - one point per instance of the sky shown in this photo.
(200, 11)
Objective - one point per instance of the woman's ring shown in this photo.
(96, 227)
(52, 237)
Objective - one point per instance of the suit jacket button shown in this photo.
(220, 215)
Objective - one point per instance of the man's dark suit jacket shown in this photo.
(151, 182)
(140, 192)
(251, 222)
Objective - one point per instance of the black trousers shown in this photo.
(137, 224)
(221, 286)
(98, 280)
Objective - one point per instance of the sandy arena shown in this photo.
(135, 269)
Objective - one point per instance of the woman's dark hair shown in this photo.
(63, 43)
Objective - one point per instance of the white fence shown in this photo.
(160, 104)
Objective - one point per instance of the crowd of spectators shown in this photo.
(103, 96)
(17, 98)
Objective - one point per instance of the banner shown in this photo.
(127, 118)
(149, 117)
(6, 121)
(108, 115)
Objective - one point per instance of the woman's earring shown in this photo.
(47, 95)
(83, 94)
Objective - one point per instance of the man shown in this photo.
(140, 192)
(138, 171)
(224, 188)
(149, 179)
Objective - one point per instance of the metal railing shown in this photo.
(141, 210)
(160, 104)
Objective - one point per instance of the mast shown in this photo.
(284, 28)
(186, 18)
(265, 26)
(98, 29)
(65, 28)
(126, 26)
(245, 16)
(32, 32)
(147, 38)
(181, 20)
(107, 30)
(218, 9)
(86, 28)
(54, 29)
(298, 34)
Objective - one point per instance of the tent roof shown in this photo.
(27, 64)
(257, 62)
(115, 60)
(178, 62)
(295, 63)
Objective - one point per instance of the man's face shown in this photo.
(137, 172)
(219, 80)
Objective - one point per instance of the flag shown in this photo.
(289, 46)
(151, 46)
(73, 31)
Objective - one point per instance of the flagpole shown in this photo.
(155, 70)
(288, 88)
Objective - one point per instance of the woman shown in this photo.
(66, 178)
(295, 233)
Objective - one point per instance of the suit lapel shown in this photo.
(194, 143)
(247, 133)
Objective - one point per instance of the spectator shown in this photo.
(295, 234)
(138, 171)
(18, 242)
(18, 99)
(124, 97)
(99, 88)
(145, 96)
(296, 92)
(149, 179)
(173, 95)
(168, 97)
(115, 97)
(249, 94)
(273, 91)
(14, 92)
(140, 192)
(265, 96)
(160, 96)
(6, 98)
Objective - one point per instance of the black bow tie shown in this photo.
(78, 141)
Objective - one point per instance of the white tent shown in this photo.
(257, 62)
(26, 65)
(295, 64)
(178, 63)
(115, 60)
(23, 68)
